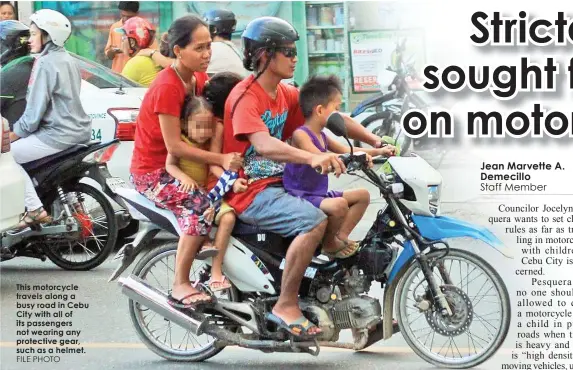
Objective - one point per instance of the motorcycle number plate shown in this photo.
(310, 272)
(115, 183)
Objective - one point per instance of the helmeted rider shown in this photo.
(54, 119)
(225, 57)
(261, 113)
(16, 68)
(140, 35)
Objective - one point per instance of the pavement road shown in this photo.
(110, 341)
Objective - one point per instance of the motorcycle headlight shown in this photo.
(434, 198)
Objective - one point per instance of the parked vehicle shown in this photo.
(83, 233)
(404, 251)
(11, 187)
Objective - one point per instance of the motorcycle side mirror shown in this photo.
(336, 125)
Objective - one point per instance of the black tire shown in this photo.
(504, 320)
(164, 250)
(101, 255)
(383, 130)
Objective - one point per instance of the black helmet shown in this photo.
(14, 37)
(265, 33)
(221, 22)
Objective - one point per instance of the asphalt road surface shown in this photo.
(110, 341)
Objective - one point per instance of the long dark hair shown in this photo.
(180, 32)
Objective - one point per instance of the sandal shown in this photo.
(28, 220)
(207, 251)
(299, 327)
(339, 254)
(223, 284)
(178, 303)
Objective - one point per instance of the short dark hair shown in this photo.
(218, 88)
(180, 32)
(318, 90)
(192, 105)
(129, 6)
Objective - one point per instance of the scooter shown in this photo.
(84, 228)
(438, 311)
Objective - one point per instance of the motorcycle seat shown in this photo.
(42, 162)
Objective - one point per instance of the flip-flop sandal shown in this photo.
(178, 303)
(299, 327)
(223, 284)
(29, 221)
(207, 251)
(338, 254)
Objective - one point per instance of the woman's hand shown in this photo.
(188, 184)
(209, 215)
(232, 162)
(240, 186)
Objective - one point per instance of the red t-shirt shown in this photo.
(257, 111)
(165, 96)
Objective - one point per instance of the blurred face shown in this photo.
(200, 126)
(284, 62)
(324, 111)
(126, 14)
(35, 39)
(197, 54)
(7, 13)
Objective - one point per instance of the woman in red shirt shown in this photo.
(158, 132)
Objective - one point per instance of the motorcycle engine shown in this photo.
(334, 312)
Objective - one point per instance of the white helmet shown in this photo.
(54, 23)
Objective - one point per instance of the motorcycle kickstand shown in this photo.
(298, 349)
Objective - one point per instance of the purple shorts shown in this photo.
(317, 199)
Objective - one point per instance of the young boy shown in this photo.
(319, 97)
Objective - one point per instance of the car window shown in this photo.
(101, 76)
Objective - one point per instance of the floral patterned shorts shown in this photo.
(189, 208)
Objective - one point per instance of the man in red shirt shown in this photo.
(260, 114)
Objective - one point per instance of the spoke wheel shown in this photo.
(480, 305)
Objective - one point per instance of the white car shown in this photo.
(112, 102)
(11, 187)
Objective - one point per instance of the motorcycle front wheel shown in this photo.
(479, 300)
(160, 335)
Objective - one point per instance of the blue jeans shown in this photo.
(276, 211)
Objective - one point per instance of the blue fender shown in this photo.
(438, 228)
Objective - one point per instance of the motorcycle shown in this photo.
(82, 234)
(404, 251)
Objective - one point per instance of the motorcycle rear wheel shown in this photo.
(164, 255)
(465, 318)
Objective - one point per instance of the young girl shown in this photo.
(319, 97)
(198, 130)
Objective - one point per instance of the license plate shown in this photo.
(115, 183)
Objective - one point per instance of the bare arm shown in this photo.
(170, 129)
(172, 168)
(161, 60)
(358, 132)
(336, 147)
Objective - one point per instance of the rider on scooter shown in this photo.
(54, 119)
(261, 113)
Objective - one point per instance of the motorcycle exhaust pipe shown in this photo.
(143, 293)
